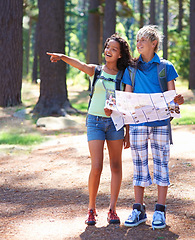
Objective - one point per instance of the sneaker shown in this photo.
(159, 217)
(91, 217)
(112, 217)
(138, 216)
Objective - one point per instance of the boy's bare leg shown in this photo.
(139, 194)
(162, 194)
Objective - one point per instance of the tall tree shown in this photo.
(180, 26)
(165, 23)
(141, 10)
(93, 39)
(192, 44)
(152, 12)
(53, 99)
(11, 52)
(109, 18)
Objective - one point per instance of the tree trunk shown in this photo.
(141, 10)
(158, 12)
(35, 59)
(165, 23)
(93, 42)
(180, 26)
(53, 99)
(109, 18)
(192, 44)
(152, 12)
(11, 52)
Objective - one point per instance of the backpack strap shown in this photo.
(162, 78)
(97, 73)
(118, 83)
(132, 73)
(162, 74)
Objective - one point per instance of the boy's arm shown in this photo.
(86, 68)
(178, 98)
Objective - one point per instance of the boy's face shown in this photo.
(145, 46)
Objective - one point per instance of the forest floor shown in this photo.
(44, 194)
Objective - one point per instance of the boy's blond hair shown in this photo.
(152, 33)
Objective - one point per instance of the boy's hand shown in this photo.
(126, 142)
(179, 99)
(107, 111)
(55, 56)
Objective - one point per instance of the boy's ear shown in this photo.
(154, 43)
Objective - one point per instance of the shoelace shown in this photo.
(159, 216)
(135, 214)
(91, 215)
(113, 215)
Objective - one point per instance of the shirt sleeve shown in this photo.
(126, 77)
(171, 72)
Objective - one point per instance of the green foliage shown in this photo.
(187, 115)
(20, 139)
(179, 51)
(81, 106)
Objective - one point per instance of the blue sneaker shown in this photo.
(138, 216)
(159, 217)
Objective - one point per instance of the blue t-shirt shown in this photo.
(146, 81)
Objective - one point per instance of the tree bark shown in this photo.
(93, 42)
(11, 52)
(165, 23)
(152, 12)
(53, 99)
(109, 19)
(192, 44)
(141, 10)
(180, 26)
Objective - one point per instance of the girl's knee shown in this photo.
(116, 166)
(96, 170)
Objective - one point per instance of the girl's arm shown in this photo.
(179, 98)
(86, 68)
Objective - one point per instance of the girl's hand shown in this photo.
(107, 111)
(55, 56)
(179, 99)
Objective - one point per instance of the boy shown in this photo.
(146, 81)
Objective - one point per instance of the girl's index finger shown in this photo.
(49, 53)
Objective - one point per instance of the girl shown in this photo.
(100, 127)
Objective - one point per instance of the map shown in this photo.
(134, 108)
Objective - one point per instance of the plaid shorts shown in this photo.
(159, 139)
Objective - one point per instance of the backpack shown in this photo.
(162, 78)
(118, 83)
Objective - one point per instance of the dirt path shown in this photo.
(44, 195)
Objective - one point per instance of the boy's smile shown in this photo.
(145, 47)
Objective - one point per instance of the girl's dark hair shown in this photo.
(126, 58)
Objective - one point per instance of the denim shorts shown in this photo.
(102, 128)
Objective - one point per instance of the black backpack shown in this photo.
(118, 83)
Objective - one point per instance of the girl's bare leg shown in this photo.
(115, 153)
(96, 151)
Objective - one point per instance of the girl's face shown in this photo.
(112, 51)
